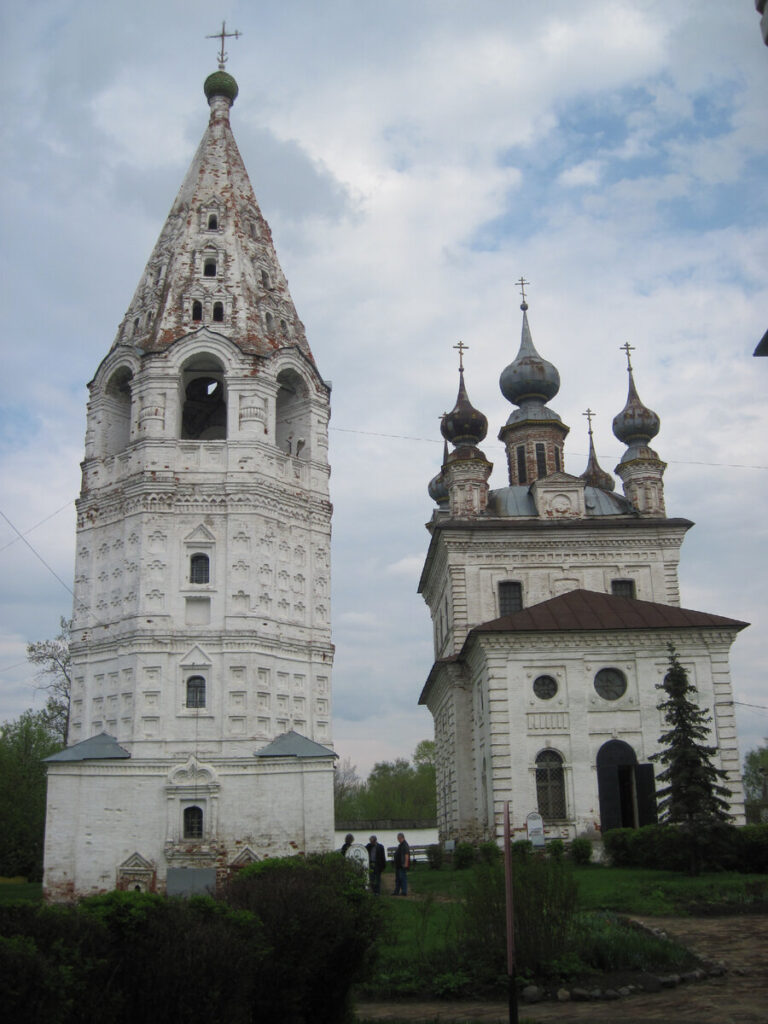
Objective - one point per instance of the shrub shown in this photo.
(435, 856)
(752, 846)
(581, 850)
(556, 849)
(463, 856)
(605, 942)
(520, 849)
(322, 927)
(488, 852)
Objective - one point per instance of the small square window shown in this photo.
(510, 597)
(623, 588)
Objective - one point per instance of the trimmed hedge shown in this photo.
(285, 944)
(718, 847)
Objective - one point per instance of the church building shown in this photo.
(554, 601)
(200, 735)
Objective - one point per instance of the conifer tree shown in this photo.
(693, 796)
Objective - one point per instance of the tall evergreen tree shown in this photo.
(693, 796)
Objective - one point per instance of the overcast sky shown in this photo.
(413, 158)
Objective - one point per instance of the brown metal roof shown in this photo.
(589, 610)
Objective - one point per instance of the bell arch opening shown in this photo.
(293, 421)
(203, 398)
(117, 401)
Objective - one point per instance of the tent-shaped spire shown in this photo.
(214, 264)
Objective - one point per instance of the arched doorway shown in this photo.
(626, 789)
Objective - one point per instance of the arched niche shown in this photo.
(293, 421)
(203, 400)
(117, 408)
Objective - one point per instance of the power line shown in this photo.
(434, 440)
(36, 553)
(41, 523)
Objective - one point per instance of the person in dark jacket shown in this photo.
(347, 843)
(402, 861)
(377, 861)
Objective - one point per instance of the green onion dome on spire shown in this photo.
(221, 83)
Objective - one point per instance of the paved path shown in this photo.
(738, 997)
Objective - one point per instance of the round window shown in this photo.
(545, 687)
(611, 683)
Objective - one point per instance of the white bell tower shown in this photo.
(201, 707)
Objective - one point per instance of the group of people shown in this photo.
(377, 862)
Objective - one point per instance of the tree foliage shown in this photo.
(395, 790)
(756, 773)
(693, 791)
(23, 745)
(53, 676)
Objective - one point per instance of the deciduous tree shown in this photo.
(23, 745)
(756, 773)
(52, 659)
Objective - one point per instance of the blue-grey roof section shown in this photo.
(293, 744)
(512, 501)
(518, 501)
(96, 748)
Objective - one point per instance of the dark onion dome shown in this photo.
(593, 475)
(463, 425)
(529, 376)
(635, 424)
(437, 488)
(220, 83)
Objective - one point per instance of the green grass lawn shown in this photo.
(12, 889)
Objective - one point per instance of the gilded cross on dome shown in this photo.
(462, 349)
(222, 36)
(626, 347)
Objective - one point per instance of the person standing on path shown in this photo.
(377, 861)
(402, 861)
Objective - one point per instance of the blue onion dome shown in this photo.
(463, 425)
(594, 475)
(220, 83)
(635, 424)
(438, 489)
(529, 376)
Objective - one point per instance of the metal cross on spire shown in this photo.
(522, 282)
(589, 414)
(462, 349)
(626, 347)
(222, 36)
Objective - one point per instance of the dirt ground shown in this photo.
(740, 996)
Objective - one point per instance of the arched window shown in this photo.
(550, 785)
(195, 692)
(213, 222)
(268, 319)
(197, 310)
(218, 312)
(209, 266)
(193, 823)
(265, 278)
(199, 569)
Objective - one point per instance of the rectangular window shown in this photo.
(623, 588)
(541, 461)
(558, 464)
(522, 476)
(510, 597)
